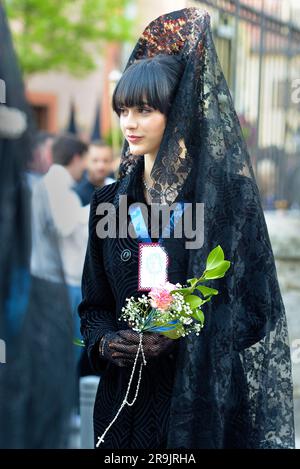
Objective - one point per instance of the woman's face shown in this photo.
(147, 124)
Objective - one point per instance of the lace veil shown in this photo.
(233, 384)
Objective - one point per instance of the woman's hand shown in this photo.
(125, 348)
(107, 350)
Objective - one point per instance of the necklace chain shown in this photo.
(146, 185)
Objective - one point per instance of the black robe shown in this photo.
(233, 385)
(110, 276)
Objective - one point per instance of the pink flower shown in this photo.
(161, 297)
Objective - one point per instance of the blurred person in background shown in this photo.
(293, 187)
(35, 321)
(266, 177)
(98, 169)
(60, 220)
(69, 218)
(41, 157)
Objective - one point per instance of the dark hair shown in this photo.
(153, 80)
(65, 147)
(40, 138)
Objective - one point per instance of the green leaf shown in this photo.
(215, 257)
(192, 281)
(150, 317)
(194, 301)
(206, 291)
(218, 272)
(198, 315)
(183, 291)
(175, 333)
(78, 342)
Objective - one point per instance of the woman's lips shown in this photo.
(134, 139)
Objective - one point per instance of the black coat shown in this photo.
(110, 276)
(85, 190)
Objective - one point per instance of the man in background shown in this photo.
(67, 220)
(60, 229)
(41, 157)
(99, 167)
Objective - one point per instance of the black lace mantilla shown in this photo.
(233, 383)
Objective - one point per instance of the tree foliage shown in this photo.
(63, 34)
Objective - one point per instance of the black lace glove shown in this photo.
(107, 348)
(124, 348)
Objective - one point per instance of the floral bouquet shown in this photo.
(172, 310)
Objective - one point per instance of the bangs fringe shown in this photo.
(142, 83)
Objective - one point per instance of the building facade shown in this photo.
(258, 43)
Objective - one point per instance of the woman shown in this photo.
(183, 143)
(145, 424)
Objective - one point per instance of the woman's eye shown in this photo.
(144, 110)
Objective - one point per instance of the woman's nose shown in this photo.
(131, 121)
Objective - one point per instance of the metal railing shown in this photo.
(259, 48)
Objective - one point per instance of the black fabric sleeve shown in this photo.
(97, 309)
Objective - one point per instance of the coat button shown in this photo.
(125, 255)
